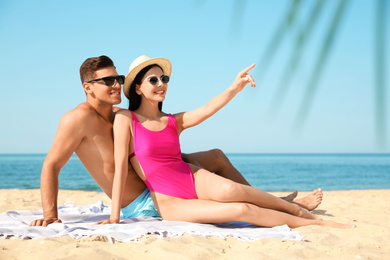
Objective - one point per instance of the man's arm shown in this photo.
(68, 137)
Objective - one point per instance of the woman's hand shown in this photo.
(243, 78)
(107, 221)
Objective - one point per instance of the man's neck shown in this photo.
(104, 110)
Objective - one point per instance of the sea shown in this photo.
(269, 172)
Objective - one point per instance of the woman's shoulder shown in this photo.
(123, 111)
(123, 114)
(179, 120)
(178, 115)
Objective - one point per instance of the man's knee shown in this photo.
(218, 153)
(219, 156)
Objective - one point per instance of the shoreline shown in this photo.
(368, 209)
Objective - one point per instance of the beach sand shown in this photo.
(368, 209)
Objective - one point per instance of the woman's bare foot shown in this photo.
(328, 223)
(311, 201)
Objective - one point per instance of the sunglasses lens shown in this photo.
(120, 79)
(109, 81)
(153, 80)
(164, 79)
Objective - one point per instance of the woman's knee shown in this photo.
(224, 190)
(230, 189)
(242, 209)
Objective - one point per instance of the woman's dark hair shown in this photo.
(135, 99)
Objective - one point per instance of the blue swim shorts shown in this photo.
(142, 206)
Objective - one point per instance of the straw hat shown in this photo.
(141, 62)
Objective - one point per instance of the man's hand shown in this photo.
(44, 222)
(107, 221)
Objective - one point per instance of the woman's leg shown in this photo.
(212, 187)
(205, 211)
(217, 162)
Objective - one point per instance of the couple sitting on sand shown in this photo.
(137, 161)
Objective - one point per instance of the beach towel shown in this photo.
(79, 222)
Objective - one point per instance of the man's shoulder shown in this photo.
(83, 112)
(84, 108)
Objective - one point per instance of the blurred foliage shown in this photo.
(286, 25)
(380, 73)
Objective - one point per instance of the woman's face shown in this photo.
(149, 89)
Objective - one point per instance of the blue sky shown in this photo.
(43, 44)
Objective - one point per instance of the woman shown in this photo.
(149, 138)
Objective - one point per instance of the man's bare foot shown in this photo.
(291, 196)
(311, 201)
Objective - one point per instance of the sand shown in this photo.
(368, 209)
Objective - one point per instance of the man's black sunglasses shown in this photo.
(110, 81)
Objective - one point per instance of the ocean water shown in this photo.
(269, 172)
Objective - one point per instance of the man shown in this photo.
(87, 131)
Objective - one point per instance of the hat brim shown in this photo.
(164, 63)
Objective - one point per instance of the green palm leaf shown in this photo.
(273, 45)
(237, 19)
(296, 55)
(319, 66)
(380, 76)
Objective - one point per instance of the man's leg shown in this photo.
(215, 161)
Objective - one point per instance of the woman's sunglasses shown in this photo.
(154, 80)
(110, 81)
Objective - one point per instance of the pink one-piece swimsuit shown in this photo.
(159, 155)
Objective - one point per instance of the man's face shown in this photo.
(100, 91)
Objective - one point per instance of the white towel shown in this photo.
(78, 222)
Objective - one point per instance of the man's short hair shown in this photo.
(91, 65)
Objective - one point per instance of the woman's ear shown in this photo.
(137, 89)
